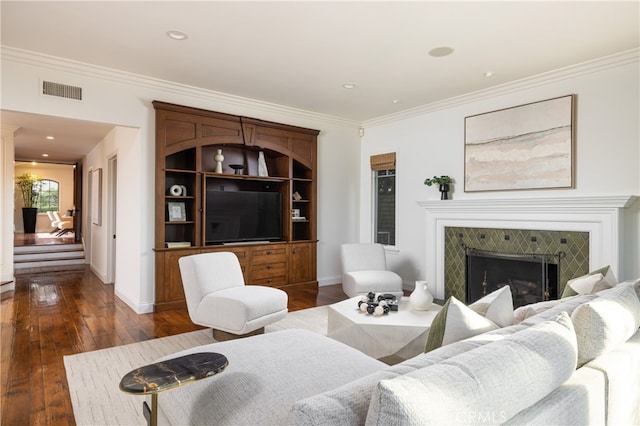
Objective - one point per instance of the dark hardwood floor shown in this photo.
(51, 315)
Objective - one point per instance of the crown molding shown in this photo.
(108, 74)
(584, 68)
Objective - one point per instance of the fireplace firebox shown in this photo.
(532, 277)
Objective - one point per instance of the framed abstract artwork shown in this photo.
(96, 197)
(524, 147)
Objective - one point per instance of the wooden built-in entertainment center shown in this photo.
(187, 141)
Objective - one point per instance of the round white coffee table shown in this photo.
(390, 338)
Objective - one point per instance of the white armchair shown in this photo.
(217, 296)
(64, 226)
(364, 269)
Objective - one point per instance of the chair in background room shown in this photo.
(364, 269)
(217, 296)
(63, 226)
(54, 222)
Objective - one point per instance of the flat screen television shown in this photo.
(236, 216)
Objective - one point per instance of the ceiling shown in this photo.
(301, 53)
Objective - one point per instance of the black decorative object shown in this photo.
(237, 168)
(381, 305)
(444, 191)
(443, 181)
(29, 218)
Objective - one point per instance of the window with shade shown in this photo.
(383, 168)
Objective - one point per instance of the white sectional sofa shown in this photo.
(577, 362)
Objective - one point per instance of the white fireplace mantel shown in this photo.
(600, 216)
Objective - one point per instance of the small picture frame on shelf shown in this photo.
(297, 196)
(295, 213)
(177, 212)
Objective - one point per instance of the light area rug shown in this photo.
(94, 377)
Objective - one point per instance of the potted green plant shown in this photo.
(29, 185)
(443, 182)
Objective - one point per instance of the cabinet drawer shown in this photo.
(271, 281)
(268, 270)
(268, 255)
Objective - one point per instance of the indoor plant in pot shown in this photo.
(443, 182)
(29, 185)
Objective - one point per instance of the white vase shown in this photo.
(219, 159)
(262, 165)
(420, 299)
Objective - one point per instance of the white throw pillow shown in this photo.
(496, 306)
(527, 311)
(607, 321)
(454, 322)
(487, 385)
(593, 282)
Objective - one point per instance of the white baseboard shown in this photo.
(336, 279)
(8, 286)
(144, 308)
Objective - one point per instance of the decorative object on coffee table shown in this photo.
(219, 159)
(443, 181)
(421, 299)
(170, 374)
(381, 305)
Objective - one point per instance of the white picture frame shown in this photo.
(177, 211)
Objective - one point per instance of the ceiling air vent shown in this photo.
(61, 90)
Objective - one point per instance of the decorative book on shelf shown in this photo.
(177, 244)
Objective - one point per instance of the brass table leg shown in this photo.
(151, 414)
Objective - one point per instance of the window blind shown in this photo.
(383, 161)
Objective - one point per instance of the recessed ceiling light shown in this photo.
(349, 85)
(50, 138)
(177, 35)
(45, 155)
(439, 52)
(396, 101)
(488, 73)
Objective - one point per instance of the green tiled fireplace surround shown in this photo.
(575, 246)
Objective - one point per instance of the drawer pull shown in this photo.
(269, 266)
(269, 252)
(269, 280)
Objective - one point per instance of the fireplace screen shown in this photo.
(532, 277)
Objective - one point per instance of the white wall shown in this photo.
(124, 100)
(7, 155)
(430, 141)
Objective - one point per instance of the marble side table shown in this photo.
(169, 374)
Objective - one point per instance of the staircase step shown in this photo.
(48, 268)
(61, 255)
(48, 258)
(47, 248)
(57, 262)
